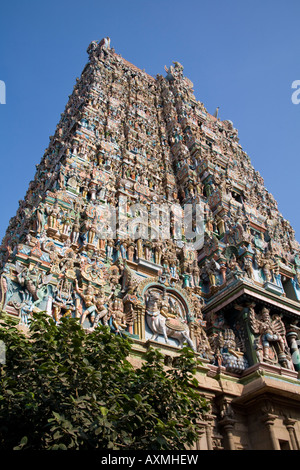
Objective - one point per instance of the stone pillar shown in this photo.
(292, 337)
(228, 425)
(77, 308)
(49, 306)
(139, 327)
(227, 421)
(268, 419)
(290, 423)
(209, 424)
(201, 431)
(223, 273)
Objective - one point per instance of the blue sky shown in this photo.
(241, 56)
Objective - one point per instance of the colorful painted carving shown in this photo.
(101, 219)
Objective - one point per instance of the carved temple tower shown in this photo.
(100, 235)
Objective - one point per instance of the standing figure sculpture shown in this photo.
(271, 331)
(266, 263)
(75, 229)
(53, 214)
(94, 303)
(101, 309)
(211, 268)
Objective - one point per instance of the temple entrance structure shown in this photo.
(146, 215)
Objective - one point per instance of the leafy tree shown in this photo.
(61, 388)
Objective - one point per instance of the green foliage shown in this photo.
(61, 388)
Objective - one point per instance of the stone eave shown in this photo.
(243, 289)
(267, 380)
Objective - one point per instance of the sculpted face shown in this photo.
(265, 313)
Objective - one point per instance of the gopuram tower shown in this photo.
(146, 215)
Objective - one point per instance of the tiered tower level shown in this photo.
(127, 144)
